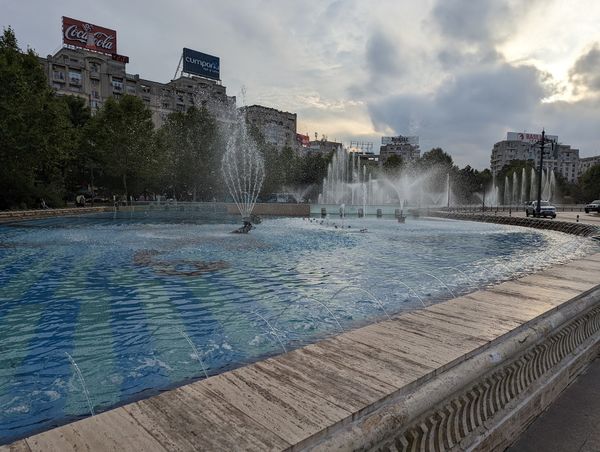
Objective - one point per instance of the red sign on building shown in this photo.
(303, 140)
(89, 36)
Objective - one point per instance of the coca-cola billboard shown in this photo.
(89, 36)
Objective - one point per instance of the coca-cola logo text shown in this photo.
(84, 34)
(97, 39)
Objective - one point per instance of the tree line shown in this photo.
(52, 148)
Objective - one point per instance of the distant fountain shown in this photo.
(243, 170)
(519, 189)
(350, 181)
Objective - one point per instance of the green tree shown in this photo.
(590, 183)
(193, 149)
(436, 166)
(436, 158)
(79, 167)
(34, 131)
(122, 133)
(393, 164)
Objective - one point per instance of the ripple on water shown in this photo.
(116, 293)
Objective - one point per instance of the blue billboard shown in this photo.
(199, 63)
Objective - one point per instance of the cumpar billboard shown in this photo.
(201, 64)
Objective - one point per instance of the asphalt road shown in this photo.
(588, 218)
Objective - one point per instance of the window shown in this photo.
(58, 75)
(117, 84)
(75, 77)
(165, 105)
(145, 89)
(131, 89)
(94, 67)
(95, 94)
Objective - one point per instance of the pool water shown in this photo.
(148, 300)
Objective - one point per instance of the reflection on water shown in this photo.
(146, 301)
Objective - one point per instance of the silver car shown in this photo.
(546, 210)
(594, 206)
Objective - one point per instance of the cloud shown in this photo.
(468, 112)
(585, 73)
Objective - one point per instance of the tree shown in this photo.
(393, 164)
(436, 158)
(192, 144)
(34, 131)
(590, 183)
(122, 131)
(80, 163)
(436, 166)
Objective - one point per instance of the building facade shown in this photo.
(277, 127)
(562, 159)
(405, 147)
(323, 146)
(95, 77)
(587, 162)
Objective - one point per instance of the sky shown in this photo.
(457, 73)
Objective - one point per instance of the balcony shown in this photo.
(95, 75)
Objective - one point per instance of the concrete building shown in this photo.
(96, 77)
(324, 146)
(587, 162)
(405, 147)
(278, 127)
(563, 159)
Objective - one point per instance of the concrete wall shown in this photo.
(487, 400)
(276, 209)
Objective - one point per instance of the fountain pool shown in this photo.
(102, 309)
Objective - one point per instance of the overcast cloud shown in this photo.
(458, 73)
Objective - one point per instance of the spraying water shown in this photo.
(243, 170)
(82, 381)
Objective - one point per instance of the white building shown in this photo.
(405, 147)
(560, 158)
(586, 163)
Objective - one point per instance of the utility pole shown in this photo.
(540, 172)
(542, 143)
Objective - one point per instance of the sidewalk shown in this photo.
(571, 423)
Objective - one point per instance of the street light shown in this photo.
(542, 143)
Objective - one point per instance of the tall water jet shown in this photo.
(532, 185)
(243, 170)
(515, 188)
(523, 186)
(507, 193)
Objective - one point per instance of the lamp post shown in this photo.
(542, 143)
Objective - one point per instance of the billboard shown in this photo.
(201, 64)
(89, 36)
(303, 140)
(412, 140)
(528, 137)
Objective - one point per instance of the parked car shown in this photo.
(594, 206)
(546, 209)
